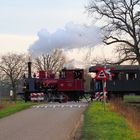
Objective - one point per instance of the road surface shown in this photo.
(51, 121)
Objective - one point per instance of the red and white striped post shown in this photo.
(104, 93)
(104, 74)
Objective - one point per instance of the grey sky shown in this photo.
(29, 16)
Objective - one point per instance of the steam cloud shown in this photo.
(71, 36)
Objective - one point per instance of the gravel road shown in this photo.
(52, 121)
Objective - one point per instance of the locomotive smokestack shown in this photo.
(29, 69)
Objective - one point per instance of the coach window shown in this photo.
(122, 76)
(127, 76)
(77, 75)
(132, 76)
(135, 76)
(62, 74)
(115, 77)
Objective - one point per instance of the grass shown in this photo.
(137, 106)
(101, 125)
(129, 112)
(11, 108)
(131, 98)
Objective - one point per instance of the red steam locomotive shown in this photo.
(68, 85)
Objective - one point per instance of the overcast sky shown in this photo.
(21, 20)
(29, 16)
(23, 23)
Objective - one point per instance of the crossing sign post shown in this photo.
(104, 74)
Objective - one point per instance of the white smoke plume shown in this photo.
(71, 36)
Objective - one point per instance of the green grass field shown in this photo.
(101, 125)
(11, 108)
(138, 107)
(131, 98)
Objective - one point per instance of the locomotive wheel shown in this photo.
(53, 98)
(66, 99)
(63, 98)
(48, 97)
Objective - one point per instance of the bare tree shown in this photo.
(13, 67)
(53, 61)
(87, 57)
(121, 19)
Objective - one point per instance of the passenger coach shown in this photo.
(126, 80)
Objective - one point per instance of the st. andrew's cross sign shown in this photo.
(103, 73)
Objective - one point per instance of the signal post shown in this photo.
(104, 74)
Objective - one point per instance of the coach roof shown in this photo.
(116, 67)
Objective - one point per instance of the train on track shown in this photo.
(126, 80)
(69, 84)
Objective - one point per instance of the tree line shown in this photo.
(14, 66)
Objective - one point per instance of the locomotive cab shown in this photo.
(71, 83)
